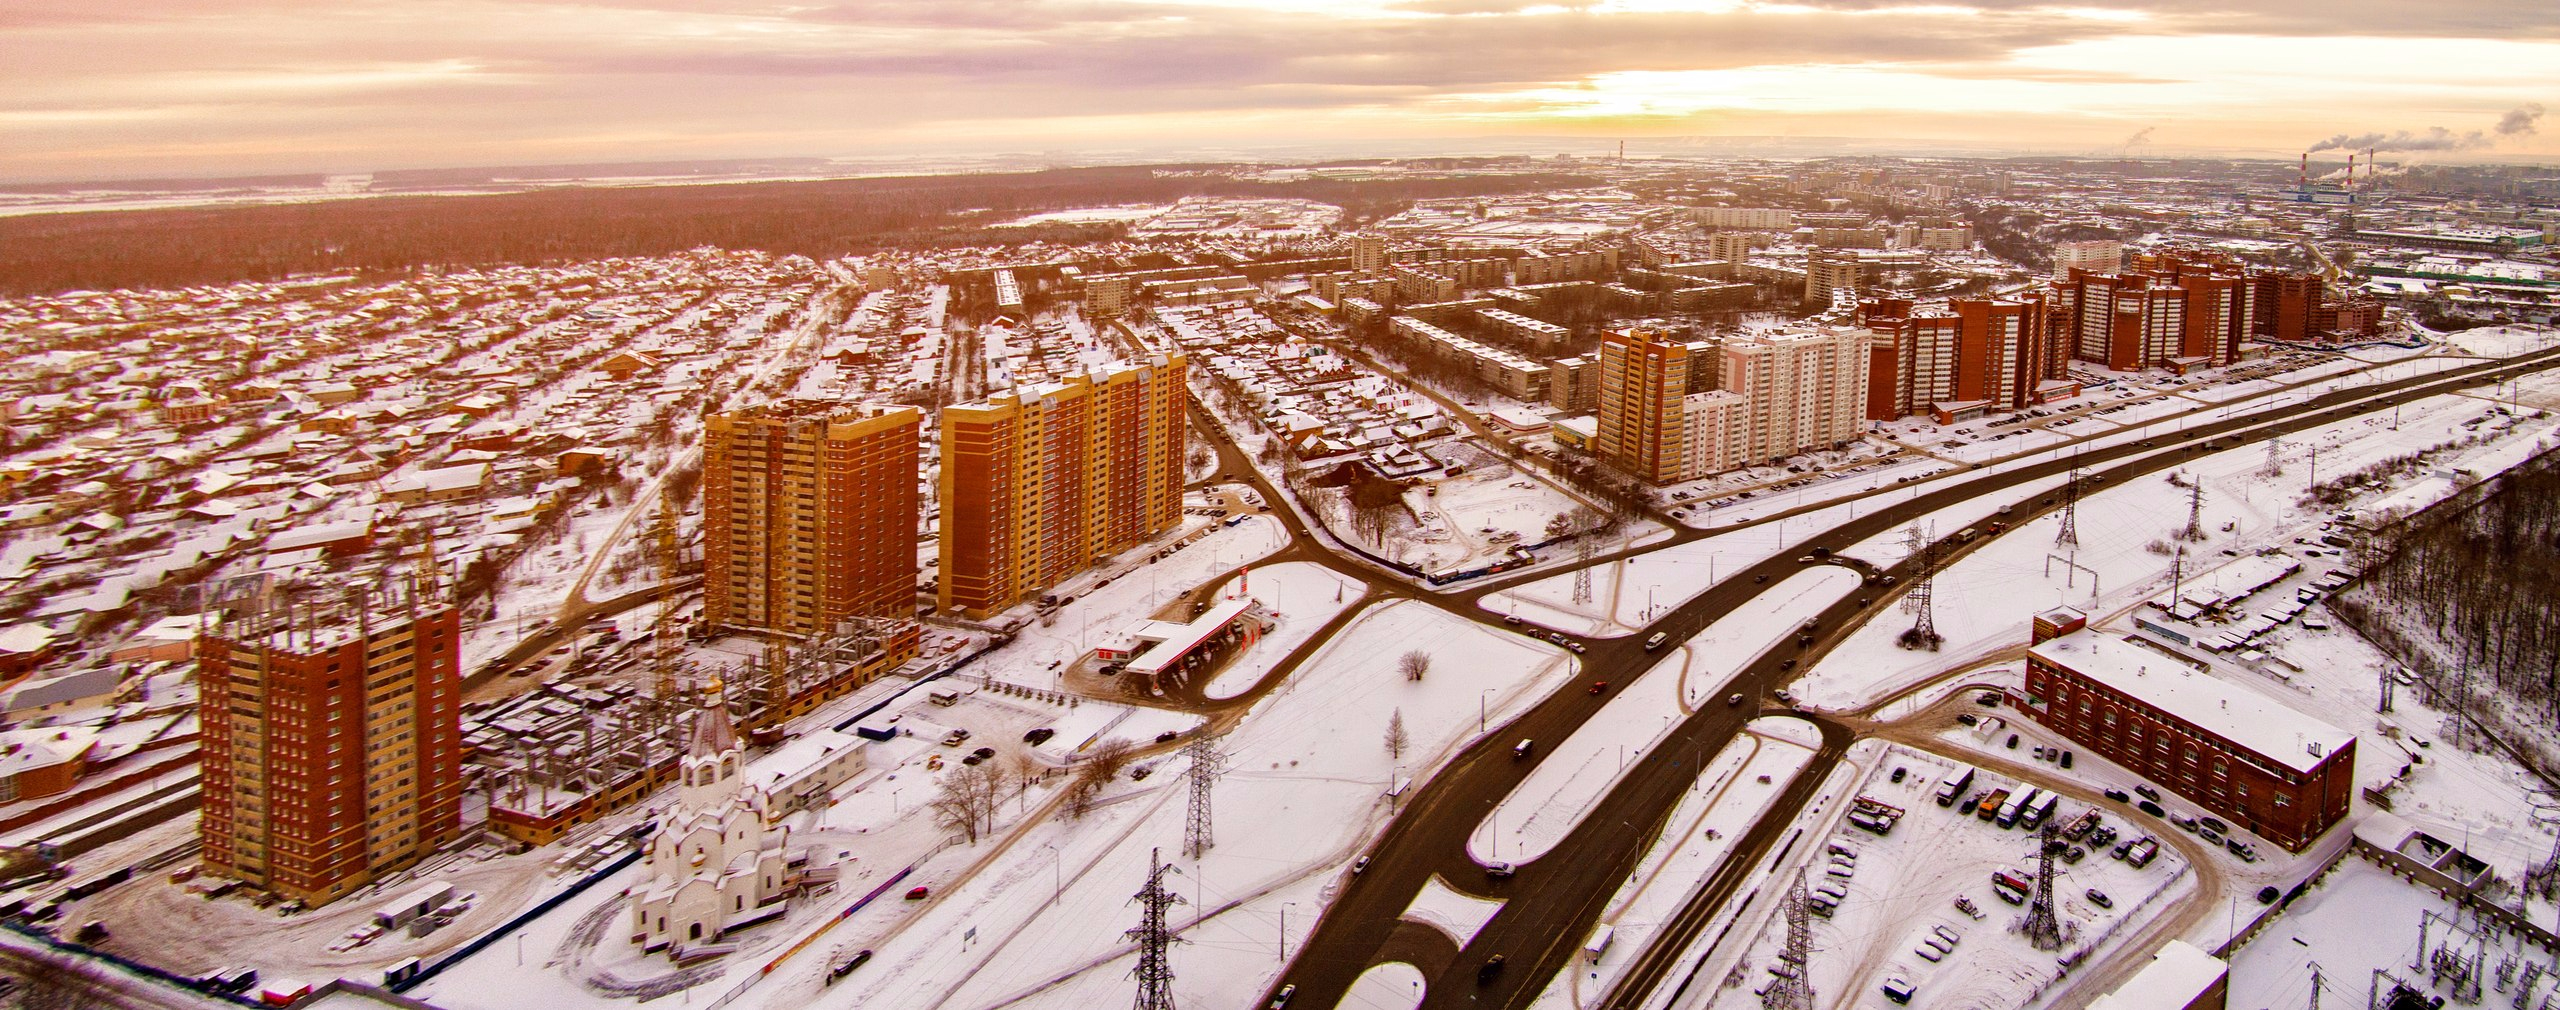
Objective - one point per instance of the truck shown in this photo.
(1599, 942)
(2039, 811)
(2142, 851)
(2009, 810)
(1953, 786)
(1656, 641)
(1992, 804)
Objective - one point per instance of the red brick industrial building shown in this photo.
(2238, 754)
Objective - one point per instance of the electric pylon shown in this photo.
(1794, 989)
(1924, 611)
(2195, 513)
(1583, 547)
(1154, 971)
(1206, 763)
(2070, 535)
(2275, 459)
(2042, 928)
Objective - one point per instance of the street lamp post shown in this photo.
(1284, 931)
(1480, 710)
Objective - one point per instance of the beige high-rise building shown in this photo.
(1674, 411)
(332, 739)
(1368, 254)
(1043, 481)
(2096, 255)
(809, 515)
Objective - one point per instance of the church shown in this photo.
(715, 864)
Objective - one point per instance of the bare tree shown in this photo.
(45, 984)
(966, 801)
(1414, 664)
(1397, 741)
(1099, 767)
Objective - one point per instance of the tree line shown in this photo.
(42, 253)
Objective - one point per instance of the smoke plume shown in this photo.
(2519, 120)
(2143, 135)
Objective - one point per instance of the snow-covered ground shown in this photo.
(2505, 341)
(1451, 911)
(1734, 789)
(1306, 784)
(1301, 597)
(2360, 918)
(2125, 551)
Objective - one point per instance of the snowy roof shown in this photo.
(2178, 974)
(2246, 718)
(1173, 641)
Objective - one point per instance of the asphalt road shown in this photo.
(1552, 903)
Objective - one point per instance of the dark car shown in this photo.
(2100, 899)
(1039, 736)
(1168, 736)
(1967, 718)
(1492, 967)
(983, 753)
(2066, 759)
(847, 966)
(1900, 773)
(2013, 741)
(2148, 807)
(2118, 795)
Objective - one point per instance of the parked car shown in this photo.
(2099, 898)
(918, 892)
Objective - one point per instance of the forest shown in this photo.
(2471, 601)
(171, 248)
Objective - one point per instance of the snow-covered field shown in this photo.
(1307, 775)
(2358, 919)
(1985, 599)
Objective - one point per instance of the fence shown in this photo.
(849, 911)
(481, 942)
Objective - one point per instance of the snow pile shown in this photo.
(1445, 908)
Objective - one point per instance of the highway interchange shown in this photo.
(1552, 903)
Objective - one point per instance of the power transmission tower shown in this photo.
(1583, 547)
(1154, 971)
(1206, 763)
(2041, 927)
(2070, 535)
(2195, 513)
(2275, 459)
(1794, 989)
(1924, 612)
(2315, 985)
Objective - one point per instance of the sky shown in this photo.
(100, 89)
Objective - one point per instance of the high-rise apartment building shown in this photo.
(1967, 352)
(2132, 321)
(2097, 256)
(809, 513)
(1673, 411)
(1828, 275)
(1733, 246)
(332, 739)
(1368, 254)
(1644, 377)
(1043, 481)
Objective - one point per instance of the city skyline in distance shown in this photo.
(206, 88)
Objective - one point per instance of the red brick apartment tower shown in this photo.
(809, 515)
(332, 748)
(2286, 305)
(2242, 755)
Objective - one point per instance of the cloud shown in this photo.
(2519, 120)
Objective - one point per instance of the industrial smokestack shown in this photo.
(2303, 180)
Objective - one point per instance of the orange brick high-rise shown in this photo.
(332, 741)
(809, 515)
(1042, 481)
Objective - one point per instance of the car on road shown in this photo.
(1492, 967)
(1575, 646)
(1760, 578)
(1510, 618)
(2118, 795)
(1359, 864)
(918, 892)
(2148, 807)
(1523, 749)
(1785, 696)
(1598, 686)
(1280, 999)
(1733, 699)
(2013, 741)
(1168, 736)
(1787, 664)
(2099, 898)
(1498, 871)
(846, 967)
